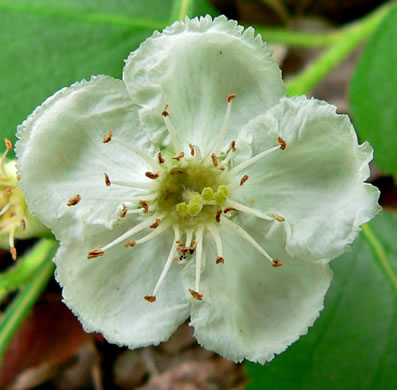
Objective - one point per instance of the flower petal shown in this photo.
(193, 66)
(251, 310)
(61, 154)
(317, 182)
(107, 293)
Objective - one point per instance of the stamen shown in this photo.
(13, 252)
(150, 298)
(140, 153)
(253, 160)
(136, 211)
(130, 244)
(124, 211)
(136, 229)
(151, 175)
(180, 155)
(218, 242)
(155, 224)
(148, 197)
(225, 124)
(229, 156)
(218, 216)
(243, 179)
(95, 253)
(282, 143)
(196, 295)
(171, 130)
(8, 144)
(199, 256)
(167, 263)
(107, 180)
(227, 209)
(189, 236)
(191, 149)
(197, 151)
(277, 263)
(108, 137)
(4, 156)
(233, 146)
(214, 159)
(160, 158)
(73, 201)
(154, 233)
(193, 246)
(143, 186)
(278, 218)
(183, 249)
(249, 210)
(11, 240)
(7, 192)
(23, 224)
(145, 205)
(6, 208)
(242, 233)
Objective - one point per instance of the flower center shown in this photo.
(192, 195)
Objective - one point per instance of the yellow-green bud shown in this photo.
(207, 193)
(181, 209)
(194, 207)
(221, 194)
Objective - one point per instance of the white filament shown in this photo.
(168, 262)
(242, 233)
(253, 160)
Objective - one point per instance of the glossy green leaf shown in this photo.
(353, 345)
(49, 44)
(373, 93)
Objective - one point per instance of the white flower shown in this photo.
(195, 206)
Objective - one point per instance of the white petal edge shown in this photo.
(251, 310)
(61, 153)
(317, 182)
(193, 66)
(107, 293)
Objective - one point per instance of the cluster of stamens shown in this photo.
(191, 194)
(12, 201)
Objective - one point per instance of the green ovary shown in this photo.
(192, 194)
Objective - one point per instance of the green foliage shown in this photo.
(27, 296)
(373, 94)
(49, 44)
(352, 345)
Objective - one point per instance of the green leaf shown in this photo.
(373, 93)
(24, 268)
(24, 301)
(353, 345)
(49, 44)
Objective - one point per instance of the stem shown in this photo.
(380, 255)
(347, 41)
(298, 38)
(22, 271)
(22, 304)
(181, 9)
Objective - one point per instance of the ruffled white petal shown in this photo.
(193, 66)
(107, 293)
(251, 310)
(317, 182)
(61, 154)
